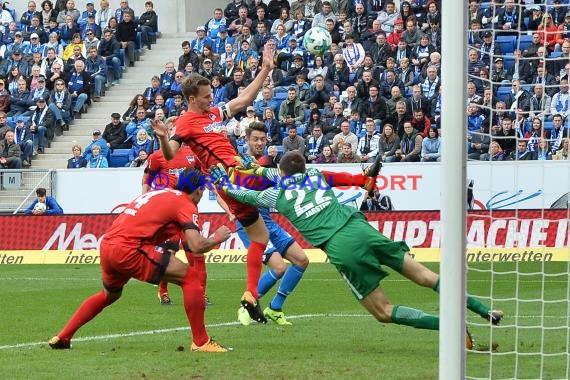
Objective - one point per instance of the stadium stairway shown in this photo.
(134, 81)
(117, 98)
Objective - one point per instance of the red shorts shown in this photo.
(246, 214)
(120, 263)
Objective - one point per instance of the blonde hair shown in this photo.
(76, 145)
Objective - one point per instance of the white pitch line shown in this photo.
(174, 329)
(224, 324)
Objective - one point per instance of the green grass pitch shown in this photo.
(332, 336)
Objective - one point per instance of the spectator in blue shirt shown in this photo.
(51, 205)
(96, 67)
(97, 140)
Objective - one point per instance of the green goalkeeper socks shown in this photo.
(473, 303)
(403, 315)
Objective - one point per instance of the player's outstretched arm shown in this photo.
(168, 147)
(266, 198)
(199, 244)
(248, 95)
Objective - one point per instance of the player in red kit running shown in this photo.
(201, 127)
(135, 246)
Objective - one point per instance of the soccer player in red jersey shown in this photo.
(201, 127)
(136, 246)
(162, 174)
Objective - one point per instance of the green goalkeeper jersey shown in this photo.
(305, 199)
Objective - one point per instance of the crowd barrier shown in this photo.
(508, 235)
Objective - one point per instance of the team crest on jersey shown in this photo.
(190, 159)
(212, 116)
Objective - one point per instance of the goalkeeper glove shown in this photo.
(248, 165)
(219, 177)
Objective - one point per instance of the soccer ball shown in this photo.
(40, 206)
(317, 40)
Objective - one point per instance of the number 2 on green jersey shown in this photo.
(299, 196)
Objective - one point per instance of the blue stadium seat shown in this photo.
(118, 158)
(279, 149)
(508, 61)
(548, 125)
(155, 33)
(524, 41)
(280, 96)
(307, 115)
(11, 120)
(507, 43)
(555, 54)
(502, 92)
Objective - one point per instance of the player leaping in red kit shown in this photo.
(202, 129)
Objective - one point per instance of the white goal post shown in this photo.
(453, 210)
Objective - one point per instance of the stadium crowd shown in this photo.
(375, 95)
(55, 60)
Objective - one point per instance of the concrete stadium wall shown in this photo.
(175, 16)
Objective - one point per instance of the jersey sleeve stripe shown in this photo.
(190, 226)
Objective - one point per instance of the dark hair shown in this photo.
(255, 126)
(134, 101)
(315, 111)
(189, 180)
(292, 162)
(41, 192)
(192, 83)
(432, 128)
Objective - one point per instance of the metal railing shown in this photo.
(18, 187)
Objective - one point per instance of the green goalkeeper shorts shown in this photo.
(358, 251)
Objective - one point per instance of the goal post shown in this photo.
(453, 194)
(505, 116)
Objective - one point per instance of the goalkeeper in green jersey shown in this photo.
(353, 246)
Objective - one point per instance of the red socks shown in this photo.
(162, 287)
(254, 265)
(194, 300)
(86, 312)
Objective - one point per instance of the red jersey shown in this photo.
(205, 135)
(156, 163)
(154, 218)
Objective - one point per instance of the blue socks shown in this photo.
(266, 282)
(290, 280)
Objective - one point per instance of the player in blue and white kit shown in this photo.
(281, 245)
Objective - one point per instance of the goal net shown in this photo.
(518, 114)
